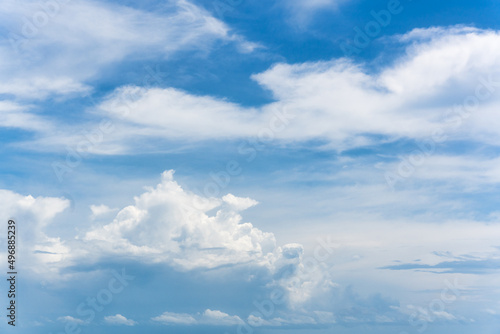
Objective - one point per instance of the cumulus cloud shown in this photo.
(33, 215)
(119, 319)
(171, 225)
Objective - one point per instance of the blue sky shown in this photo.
(233, 166)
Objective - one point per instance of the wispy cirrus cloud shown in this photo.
(39, 61)
(466, 264)
(301, 12)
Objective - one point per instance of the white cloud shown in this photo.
(175, 318)
(460, 54)
(256, 321)
(169, 224)
(119, 319)
(297, 319)
(100, 210)
(444, 315)
(239, 203)
(38, 60)
(337, 101)
(34, 215)
(13, 115)
(208, 317)
(69, 318)
(292, 318)
(215, 317)
(215, 117)
(41, 87)
(303, 280)
(428, 315)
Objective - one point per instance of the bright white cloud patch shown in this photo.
(239, 203)
(454, 70)
(168, 224)
(53, 52)
(337, 100)
(438, 58)
(119, 320)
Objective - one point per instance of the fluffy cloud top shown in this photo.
(173, 225)
(167, 225)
